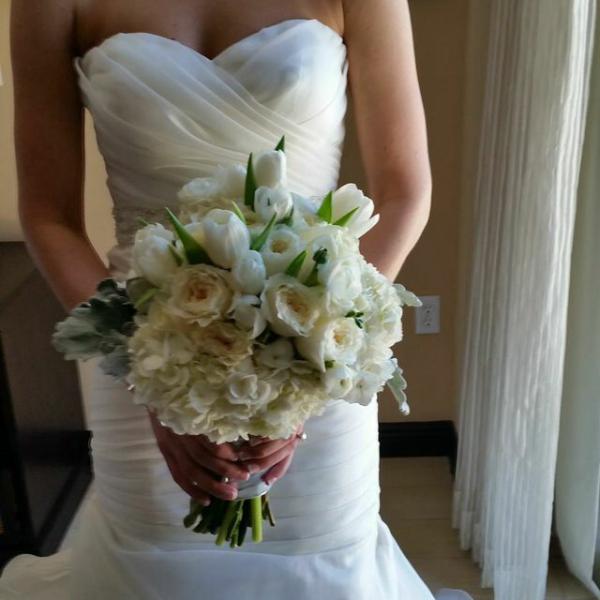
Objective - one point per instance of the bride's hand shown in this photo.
(196, 464)
(262, 453)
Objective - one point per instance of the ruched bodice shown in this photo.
(164, 113)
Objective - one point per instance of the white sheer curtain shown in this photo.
(525, 197)
(578, 466)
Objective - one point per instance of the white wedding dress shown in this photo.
(164, 114)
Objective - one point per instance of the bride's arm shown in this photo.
(391, 127)
(48, 135)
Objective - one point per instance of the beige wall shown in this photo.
(429, 361)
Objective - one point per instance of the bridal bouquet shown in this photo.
(246, 317)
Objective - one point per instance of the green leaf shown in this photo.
(320, 258)
(262, 237)
(326, 209)
(239, 213)
(294, 267)
(175, 255)
(329, 364)
(288, 219)
(194, 252)
(281, 144)
(143, 221)
(346, 218)
(250, 185)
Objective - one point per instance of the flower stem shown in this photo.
(229, 516)
(256, 518)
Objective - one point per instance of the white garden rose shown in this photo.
(270, 168)
(349, 197)
(337, 340)
(281, 248)
(249, 273)
(341, 279)
(290, 307)
(151, 257)
(336, 240)
(226, 238)
(248, 316)
(277, 355)
(272, 201)
(200, 294)
(225, 341)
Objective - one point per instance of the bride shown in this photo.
(175, 88)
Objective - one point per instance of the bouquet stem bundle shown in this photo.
(229, 520)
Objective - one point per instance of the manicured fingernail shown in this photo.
(231, 494)
(270, 480)
(246, 475)
(252, 468)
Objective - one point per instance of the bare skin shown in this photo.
(45, 36)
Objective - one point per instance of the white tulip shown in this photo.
(249, 273)
(337, 241)
(281, 248)
(338, 340)
(348, 197)
(247, 315)
(290, 307)
(278, 355)
(272, 201)
(151, 257)
(341, 279)
(270, 168)
(226, 238)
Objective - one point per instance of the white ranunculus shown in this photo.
(338, 380)
(272, 201)
(151, 257)
(249, 273)
(270, 168)
(277, 355)
(338, 340)
(290, 307)
(348, 197)
(200, 294)
(247, 315)
(226, 238)
(341, 279)
(281, 248)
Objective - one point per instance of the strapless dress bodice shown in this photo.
(164, 113)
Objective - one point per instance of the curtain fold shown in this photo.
(577, 502)
(524, 200)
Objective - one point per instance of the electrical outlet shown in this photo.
(427, 317)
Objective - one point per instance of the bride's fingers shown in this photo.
(219, 466)
(224, 451)
(202, 479)
(255, 464)
(253, 453)
(184, 482)
(278, 470)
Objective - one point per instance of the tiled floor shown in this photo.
(416, 503)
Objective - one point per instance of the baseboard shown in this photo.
(419, 438)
